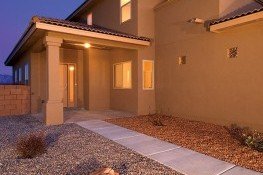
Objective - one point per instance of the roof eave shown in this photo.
(54, 28)
(219, 27)
(68, 30)
(79, 9)
(29, 31)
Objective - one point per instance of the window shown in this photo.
(89, 19)
(20, 75)
(122, 75)
(16, 76)
(148, 74)
(125, 10)
(26, 74)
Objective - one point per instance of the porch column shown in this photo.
(53, 107)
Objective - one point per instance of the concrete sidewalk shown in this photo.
(180, 159)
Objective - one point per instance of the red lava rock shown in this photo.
(209, 139)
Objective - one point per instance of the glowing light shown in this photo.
(87, 45)
(71, 68)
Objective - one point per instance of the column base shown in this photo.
(53, 113)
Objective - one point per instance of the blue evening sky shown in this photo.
(15, 16)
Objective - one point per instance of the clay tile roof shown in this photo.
(82, 26)
(228, 18)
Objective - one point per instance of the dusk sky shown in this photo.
(15, 16)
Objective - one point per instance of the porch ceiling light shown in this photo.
(87, 45)
(71, 68)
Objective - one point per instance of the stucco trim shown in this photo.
(68, 30)
(217, 28)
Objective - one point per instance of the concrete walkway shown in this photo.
(73, 116)
(180, 159)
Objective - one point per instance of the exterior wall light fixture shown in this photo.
(196, 21)
(87, 45)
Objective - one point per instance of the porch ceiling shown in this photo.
(73, 33)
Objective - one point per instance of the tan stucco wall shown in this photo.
(210, 86)
(106, 13)
(99, 79)
(38, 76)
(146, 27)
(36, 82)
(99, 93)
(125, 99)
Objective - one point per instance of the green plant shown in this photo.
(254, 141)
(250, 138)
(31, 145)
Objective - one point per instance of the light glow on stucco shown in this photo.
(87, 45)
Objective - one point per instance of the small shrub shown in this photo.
(156, 120)
(31, 145)
(247, 137)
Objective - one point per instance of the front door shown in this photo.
(68, 81)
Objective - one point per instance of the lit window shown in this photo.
(125, 10)
(20, 75)
(89, 19)
(148, 74)
(122, 75)
(26, 74)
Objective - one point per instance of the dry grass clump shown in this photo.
(157, 120)
(31, 145)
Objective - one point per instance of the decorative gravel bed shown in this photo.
(71, 150)
(210, 139)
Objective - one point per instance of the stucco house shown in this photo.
(200, 60)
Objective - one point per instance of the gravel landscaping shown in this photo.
(209, 139)
(71, 150)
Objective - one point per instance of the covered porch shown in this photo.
(77, 69)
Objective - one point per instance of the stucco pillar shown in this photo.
(53, 107)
